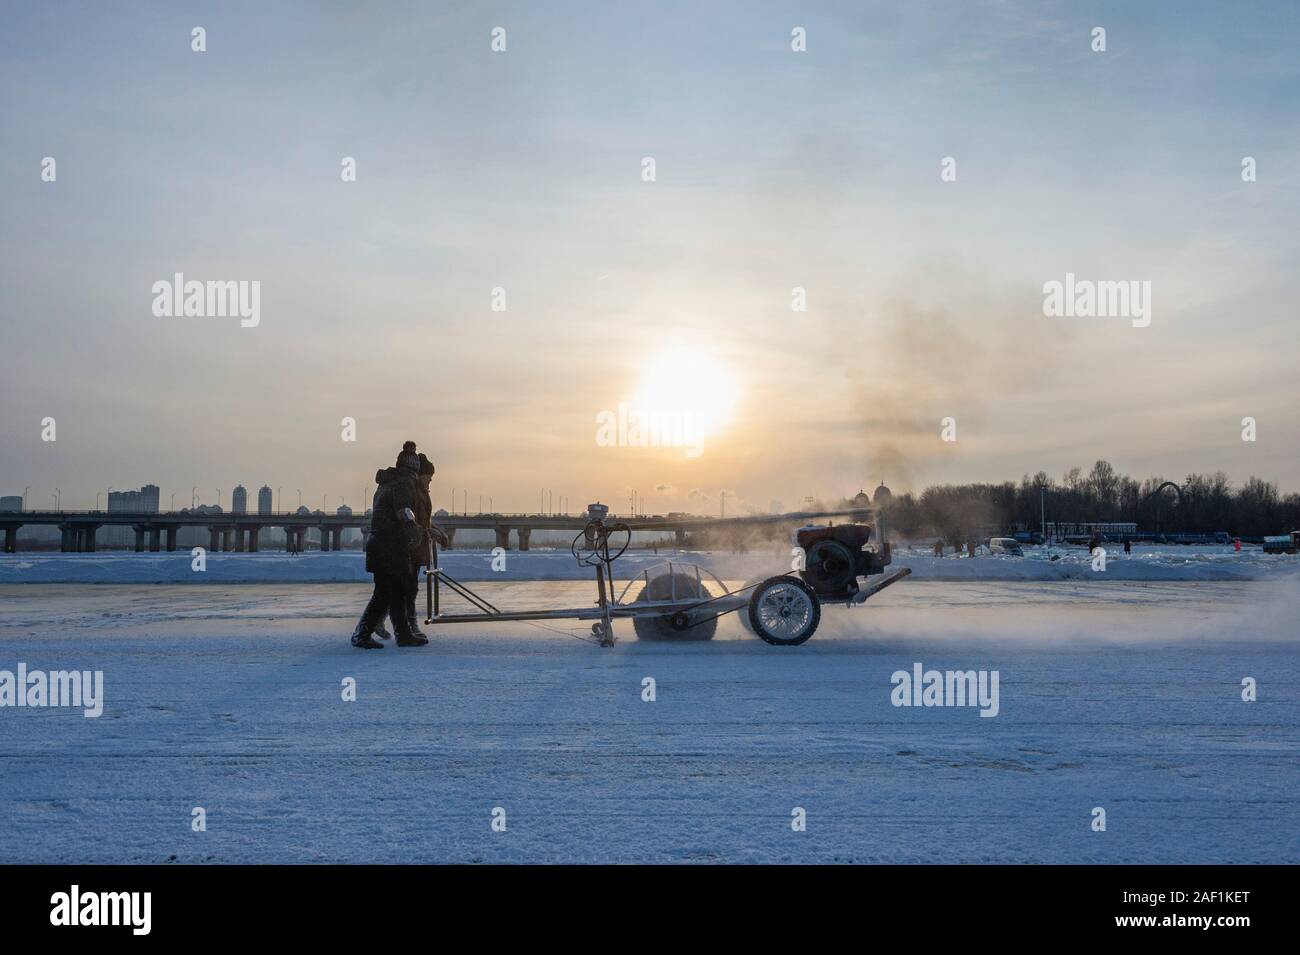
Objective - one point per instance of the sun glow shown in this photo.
(687, 383)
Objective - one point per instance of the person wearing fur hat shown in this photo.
(394, 533)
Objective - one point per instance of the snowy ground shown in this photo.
(1112, 694)
(1147, 562)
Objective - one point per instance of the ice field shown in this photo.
(1113, 694)
(1147, 562)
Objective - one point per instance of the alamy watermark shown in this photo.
(181, 299)
(924, 687)
(75, 907)
(630, 427)
(79, 688)
(1084, 298)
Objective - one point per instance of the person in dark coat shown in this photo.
(424, 518)
(394, 533)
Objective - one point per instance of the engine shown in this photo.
(835, 556)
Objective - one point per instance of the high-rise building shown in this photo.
(123, 502)
(143, 501)
(11, 502)
(239, 500)
(264, 500)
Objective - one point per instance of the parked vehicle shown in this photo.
(1283, 543)
(1005, 545)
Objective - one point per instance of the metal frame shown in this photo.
(607, 610)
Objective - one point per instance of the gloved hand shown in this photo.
(439, 536)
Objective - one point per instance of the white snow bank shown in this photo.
(1145, 563)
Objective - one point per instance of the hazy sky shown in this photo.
(523, 170)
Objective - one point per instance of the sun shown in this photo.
(687, 382)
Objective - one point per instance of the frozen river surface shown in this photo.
(1120, 696)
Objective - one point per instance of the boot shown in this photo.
(371, 617)
(406, 637)
(363, 636)
(412, 621)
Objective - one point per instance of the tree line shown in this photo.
(1203, 503)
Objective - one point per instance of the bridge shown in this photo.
(242, 532)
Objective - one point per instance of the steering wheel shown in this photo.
(599, 552)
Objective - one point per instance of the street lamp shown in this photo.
(25, 490)
(299, 497)
(1042, 509)
(218, 490)
(278, 499)
(58, 499)
(173, 504)
(194, 497)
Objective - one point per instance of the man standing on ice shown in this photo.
(393, 534)
(423, 517)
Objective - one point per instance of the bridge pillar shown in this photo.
(324, 538)
(139, 538)
(337, 539)
(451, 537)
(300, 540)
(172, 532)
(66, 543)
(503, 537)
(11, 538)
(155, 538)
(253, 533)
(88, 538)
(525, 535)
(680, 536)
(214, 540)
(288, 540)
(239, 540)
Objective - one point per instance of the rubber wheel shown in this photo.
(784, 611)
(662, 627)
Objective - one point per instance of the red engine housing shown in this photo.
(836, 556)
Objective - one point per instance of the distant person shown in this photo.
(1236, 544)
(393, 534)
(938, 548)
(1128, 546)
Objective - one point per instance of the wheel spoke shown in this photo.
(785, 610)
